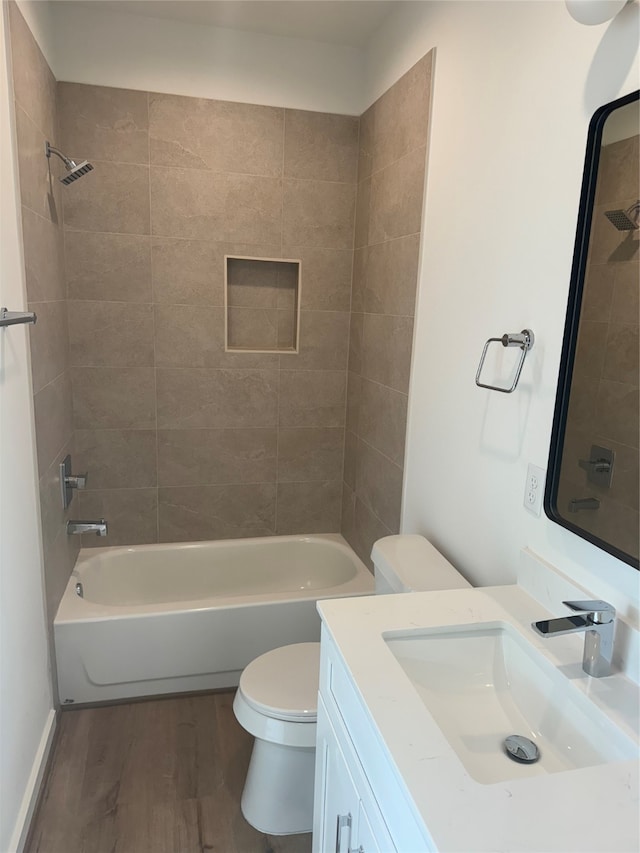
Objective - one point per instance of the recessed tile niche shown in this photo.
(262, 304)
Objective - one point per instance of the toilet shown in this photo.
(277, 696)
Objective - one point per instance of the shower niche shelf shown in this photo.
(262, 304)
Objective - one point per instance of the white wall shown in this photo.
(150, 54)
(26, 709)
(515, 87)
(39, 16)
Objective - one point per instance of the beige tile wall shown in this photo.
(604, 395)
(41, 196)
(181, 439)
(391, 172)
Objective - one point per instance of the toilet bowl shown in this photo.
(277, 697)
(277, 702)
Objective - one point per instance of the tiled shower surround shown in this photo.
(36, 120)
(391, 173)
(181, 439)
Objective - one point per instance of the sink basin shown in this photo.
(482, 683)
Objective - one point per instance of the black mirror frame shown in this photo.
(572, 321)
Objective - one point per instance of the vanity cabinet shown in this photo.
(404, 749)
(359, 806)
(348, 812)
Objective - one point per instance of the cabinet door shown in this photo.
(336, 803)
(346, 816)
(370, 840)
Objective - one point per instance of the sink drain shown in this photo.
(521, 749)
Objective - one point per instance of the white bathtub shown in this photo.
(180, 617)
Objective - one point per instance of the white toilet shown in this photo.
(277, 697)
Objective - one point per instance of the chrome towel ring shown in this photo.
(524, 340)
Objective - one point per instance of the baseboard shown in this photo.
(34, 785)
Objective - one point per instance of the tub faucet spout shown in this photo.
(97, 527)
(597, 620)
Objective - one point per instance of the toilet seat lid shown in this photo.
(283, 683)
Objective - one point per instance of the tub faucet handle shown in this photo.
(69, 481)
(76, 481)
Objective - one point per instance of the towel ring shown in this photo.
(524, 340)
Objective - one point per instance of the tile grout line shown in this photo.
(211, 484)
(359, 374)
(221, 173)
(218, 173)
(232, 370)
(63, 272)
(351, 315)
(204, 307)
(178, 238)
(397, 160)
(279, 377)
(153, 326)
(384, 455)
(71, 443)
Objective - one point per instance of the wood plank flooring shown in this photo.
(160, 776)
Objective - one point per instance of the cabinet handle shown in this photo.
(342, 821)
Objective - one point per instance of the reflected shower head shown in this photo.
(74, 170)
(625, 220)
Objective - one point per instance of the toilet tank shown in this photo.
(411, 564)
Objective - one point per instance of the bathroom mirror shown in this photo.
(592, 479)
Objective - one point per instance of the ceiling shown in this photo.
(346, 22)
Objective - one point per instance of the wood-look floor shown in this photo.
(161, 776)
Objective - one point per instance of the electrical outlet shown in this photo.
(534, 489)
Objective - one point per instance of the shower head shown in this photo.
(625, 220)
(74, 170)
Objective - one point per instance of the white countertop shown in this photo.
(589, 809)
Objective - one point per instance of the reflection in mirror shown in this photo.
(592, 484)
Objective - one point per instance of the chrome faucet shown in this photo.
(577, 504)
(97, 527)
(597, 619)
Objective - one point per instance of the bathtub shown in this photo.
(153, 619)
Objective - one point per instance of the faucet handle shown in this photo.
(600, 611)
(76, 481)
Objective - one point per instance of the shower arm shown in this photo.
(49, 150)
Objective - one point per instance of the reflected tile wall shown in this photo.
(603, 407)
(391, 171)
(199, 442)
(41, 198)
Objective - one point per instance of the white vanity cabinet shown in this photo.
(401, 774)
(344, 820)
(358, 807)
